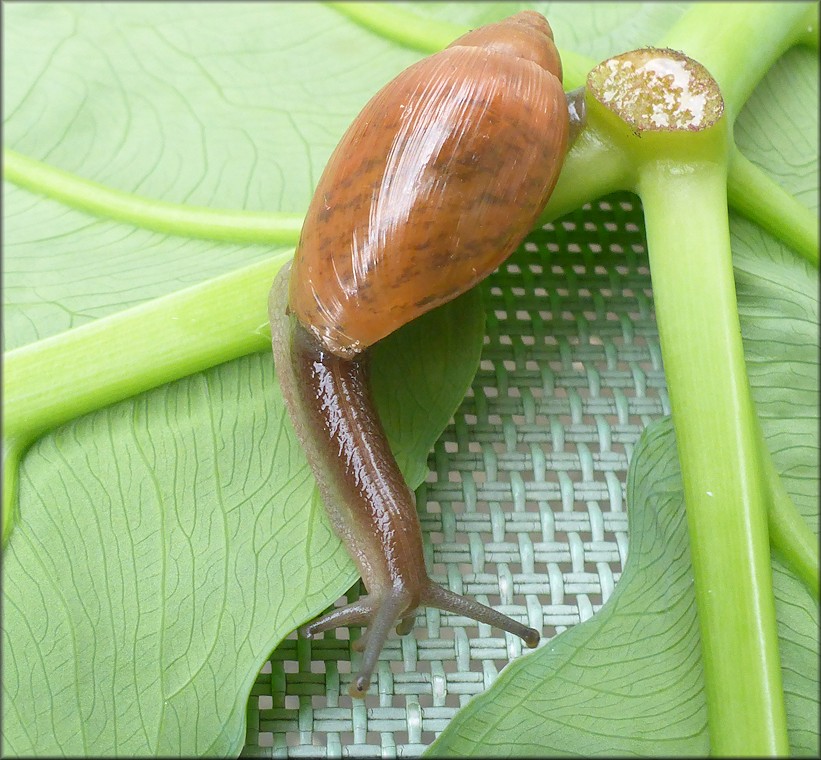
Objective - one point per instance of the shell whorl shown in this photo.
(526, 35)
(434, 184)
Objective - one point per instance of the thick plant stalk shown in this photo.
(666, 113)
(717, 437)
(127, 353)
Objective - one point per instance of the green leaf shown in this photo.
(778, 306)
(629, 681)
(238, 106)
(169, 542)
(798, 645)
(778, 126)
(234, 106)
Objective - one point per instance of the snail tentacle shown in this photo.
(406, 624)
(390, 609)
(434, 595)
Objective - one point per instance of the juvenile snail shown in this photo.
(434, 184)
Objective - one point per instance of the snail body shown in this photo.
(434, 184)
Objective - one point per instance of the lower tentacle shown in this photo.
(381, 614)
(391, 608)
(406, 624)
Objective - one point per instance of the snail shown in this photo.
(434, 184)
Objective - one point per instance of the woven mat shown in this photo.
(524, 506)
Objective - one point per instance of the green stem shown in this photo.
(401, 26)
(737, 42)
(430, 35)
(754, 194)
(807, 31)
(135, 350)
(694, 295)
(13, 450)
(594, 167)
(170, 218)
(790, 535)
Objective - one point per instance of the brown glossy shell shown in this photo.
(434, 184)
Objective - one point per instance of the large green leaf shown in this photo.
(777, 291)
(629, 681)
(164, 543)
(169, 542)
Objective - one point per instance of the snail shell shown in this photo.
(435, 183)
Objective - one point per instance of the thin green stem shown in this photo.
(430, 36)
(13, 450)
(737, 42)
(401, 26)
(694, 294)
(790, 535)
(136, 350)
(170, 218)
(757, 196)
